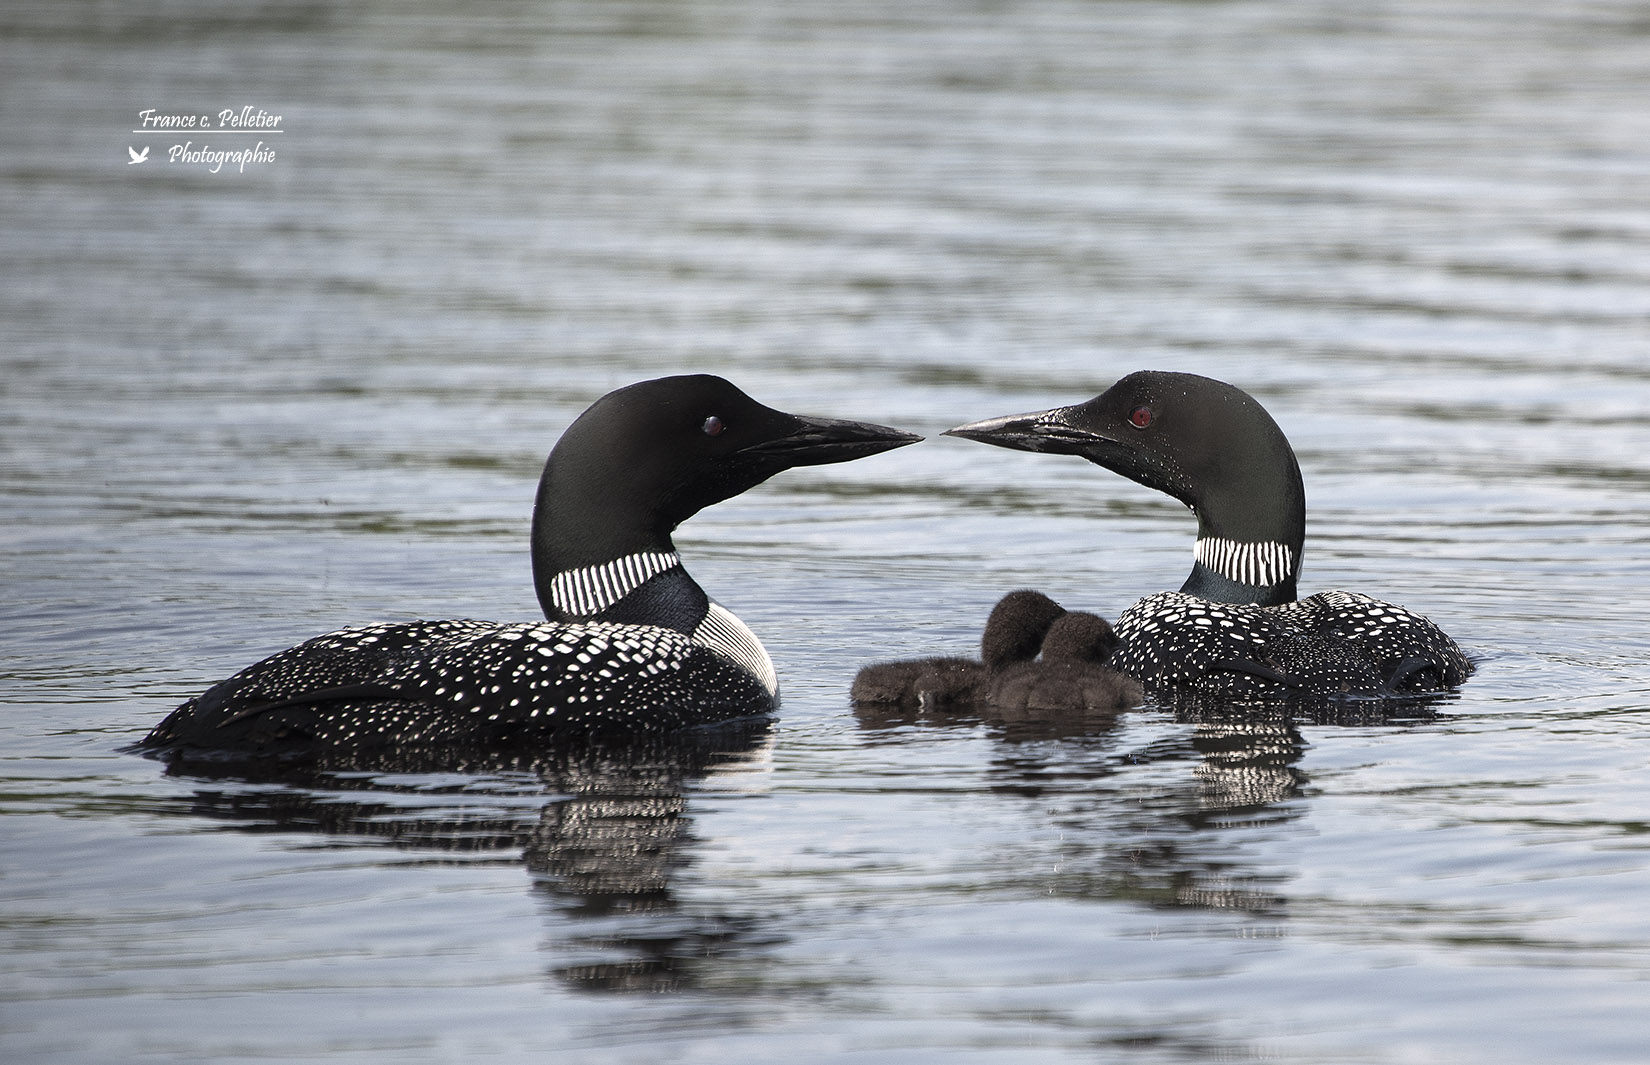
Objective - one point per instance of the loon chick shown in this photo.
(631, 645)
(1017, 627)
(1235, 626)
(1072, 673)
(1008, 674)
(1013, 633)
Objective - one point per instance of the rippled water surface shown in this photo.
(241, 408)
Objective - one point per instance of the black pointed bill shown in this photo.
(1050, 431)
(818, 441)
(1060, 432)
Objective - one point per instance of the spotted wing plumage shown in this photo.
(470, 683)
(1329, 644)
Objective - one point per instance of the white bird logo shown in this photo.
(137, 156)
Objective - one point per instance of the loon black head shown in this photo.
(1205, 443)
(645, 458)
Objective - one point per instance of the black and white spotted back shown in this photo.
(1329, 644)
(475, 684)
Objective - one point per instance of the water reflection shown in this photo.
(1247, 765)
(1165, 823)
(602, 834)
(1247, 753)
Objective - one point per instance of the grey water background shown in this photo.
(238, 409)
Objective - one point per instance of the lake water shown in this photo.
(241, 408)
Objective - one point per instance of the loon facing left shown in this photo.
(631, 644)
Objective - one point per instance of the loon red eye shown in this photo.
(1140, 417)
(713, 426)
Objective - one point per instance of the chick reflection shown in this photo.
(1160, 821)
(602, 833)
(1128, 831)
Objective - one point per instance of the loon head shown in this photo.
(1205, 443)
(645, 458)
(1014, 632)
(1079, 637)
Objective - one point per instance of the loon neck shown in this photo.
(1251, 529)
(599, 556)
(642, 588)
(1229, 571)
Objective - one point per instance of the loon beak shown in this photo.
(1049, 431)
(818, 441)
(1061, 432)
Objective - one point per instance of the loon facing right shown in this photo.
(1235, 626)
(631, 646)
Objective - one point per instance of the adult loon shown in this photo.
(631, 644)
(1236, 625)
(1070, 674)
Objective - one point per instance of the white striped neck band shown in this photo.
(592, 589)
(1258, 564)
